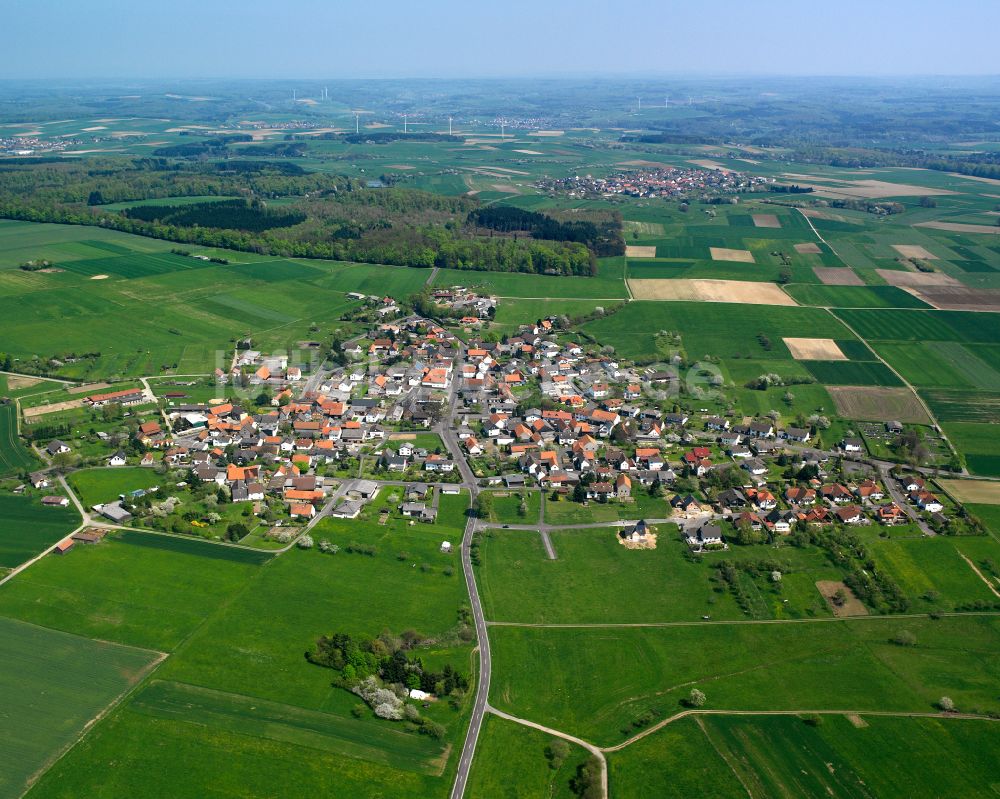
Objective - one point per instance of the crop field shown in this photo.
(511, 763)
(834, 296)
(116, 591)
(853, 373)
(878, 404)
(849, 665)
(719, 329)
(238, 698)
(133, 754)
(979, 443)
(45, 708)
(730, 291)
(903, 325)
(842, 757)
(597, 580)
(28, 527)
(14, 456)
(973, 491)
(100, 485)
(607, 285)
(954, 405)
(942, 364)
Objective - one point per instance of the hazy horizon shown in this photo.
(56, 40)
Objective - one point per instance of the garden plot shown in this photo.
(727, 254)
(814, 349)
(739, 291)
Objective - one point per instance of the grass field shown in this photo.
(932, 572)
(97, 486)
(880, 404)
(116, 591)
(854, 296)
(597, 580)
(27, 527)
(135, 754)
(979, 443)
(607, 285)
(14, 456)
(730, 756)
(619, 673)
(677, 762)
(51, 686)
(511, 763)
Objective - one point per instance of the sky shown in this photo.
(130, 39)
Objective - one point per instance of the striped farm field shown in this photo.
(14, 456)
(52, 685)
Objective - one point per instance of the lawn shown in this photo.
(511, 763)
(117, 591)
(27, 527)
(97, 486)
(566, 512)
(595, 682)
(51, 686)
(507, 507)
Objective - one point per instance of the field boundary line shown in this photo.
(654, 624)
(718, 751)
(979, 574)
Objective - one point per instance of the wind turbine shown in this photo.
(449, 126)
(404, 123)
(357, 123)
(639, 110)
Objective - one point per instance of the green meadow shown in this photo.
(560, 677)
(28, 527)
(52, 685)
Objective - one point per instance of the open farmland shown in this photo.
(511, 761)
(842, 756)
(732, 291)
(44, 710)
(596, 580)
(878, 404)
(718, 329)
(163, 600)
(860, 669)
(14, 456)
(28, 527)
(973, 491)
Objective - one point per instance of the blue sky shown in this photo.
(466, 38)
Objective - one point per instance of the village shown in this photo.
(416, 407)
(665, 182)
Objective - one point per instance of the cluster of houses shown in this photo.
(471, 308)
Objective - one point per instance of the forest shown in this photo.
(599, 231)
(334, 217)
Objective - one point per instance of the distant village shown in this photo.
(665, 182)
